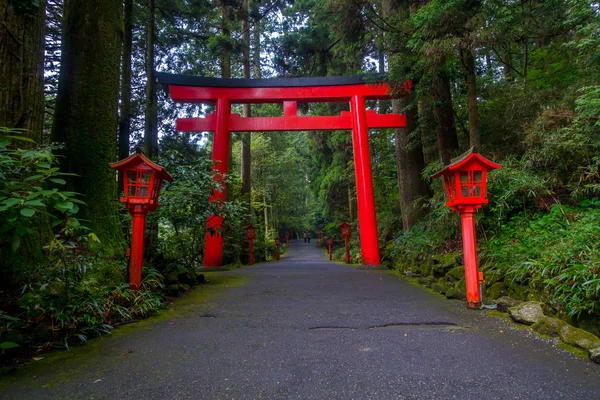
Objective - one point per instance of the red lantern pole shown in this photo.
(470, 254)
(347, 258)
(329, 244)
(138, 213)
(287, 239)
(250, 250)
(277, 242)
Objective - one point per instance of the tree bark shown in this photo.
(151, 128)
(471, 81)
(444, 114)
(86, 110)
(125, 115)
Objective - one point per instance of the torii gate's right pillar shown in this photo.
(364, 183)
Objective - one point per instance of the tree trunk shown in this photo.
(86, 110)
(409, 163)
(266, 212)
(409, 156)
(22, 107)
(444, 115)
(125, 115)
(151, 128)
(256, 41)
(22, 69)
(469, 63)
(245, 157)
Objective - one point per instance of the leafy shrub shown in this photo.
(555, 253)
(64, 304)
(29, 186)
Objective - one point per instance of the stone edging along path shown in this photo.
(578, 341)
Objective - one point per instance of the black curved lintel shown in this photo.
(166, 79)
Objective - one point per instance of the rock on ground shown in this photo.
(579, 338)
(526, 313)
(505, 302)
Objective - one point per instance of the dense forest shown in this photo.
(520, 80)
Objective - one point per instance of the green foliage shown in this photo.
(555, 253)
(29, 185)
(184, 210)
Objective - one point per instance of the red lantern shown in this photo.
(142, 183)
(320, 236)
(287, 239)
(250, 235)
(277, 243)
(346, 229)
(465, 181)
(329, 244)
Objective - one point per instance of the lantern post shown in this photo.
(277, 243)
(142, 180)
(250, 235)
(346, 229)
(320, 236)
(329, 244)
(465, 181)
(287, 239)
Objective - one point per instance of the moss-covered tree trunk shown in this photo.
(125, 114)
(22, 29)
(86, 110)
(151, 117)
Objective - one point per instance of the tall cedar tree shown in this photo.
(125, 112)
(151, 120)
(409, 156)
(245, 169)
(22, 99)
(86, 110)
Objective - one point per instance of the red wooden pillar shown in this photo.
(470, 254)
(364, 183)
(213, 251)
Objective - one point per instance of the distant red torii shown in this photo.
(289, 91)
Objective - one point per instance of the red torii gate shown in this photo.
(289, 91)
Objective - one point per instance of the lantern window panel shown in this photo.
(470, 183)
(450, 186)
(138, 183)
(156, 188)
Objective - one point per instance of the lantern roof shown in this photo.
(138, 158)
(467, 158)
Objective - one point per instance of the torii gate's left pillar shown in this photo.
(213, 250)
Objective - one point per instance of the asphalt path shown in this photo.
(307, 328)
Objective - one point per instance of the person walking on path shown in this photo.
(308, 236)
(305, 236)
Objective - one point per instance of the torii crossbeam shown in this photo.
(289, 91)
